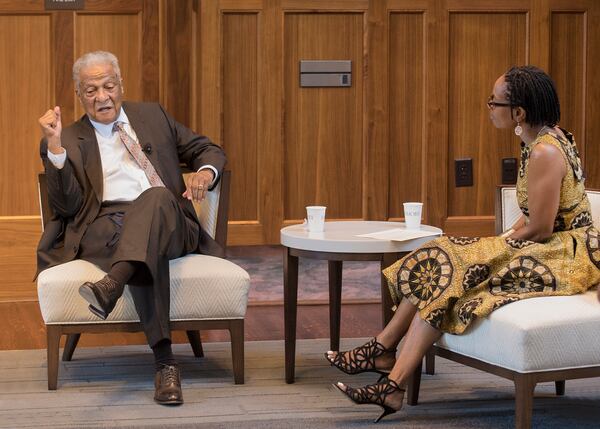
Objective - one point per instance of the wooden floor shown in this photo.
(265, 322)
(262, 322)
(112, 387)
(23, 327)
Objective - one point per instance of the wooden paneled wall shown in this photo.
(421, 72)
(37, 51)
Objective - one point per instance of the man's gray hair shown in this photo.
(94, 58)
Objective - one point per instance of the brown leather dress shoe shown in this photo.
(102, 295)
(167, 384)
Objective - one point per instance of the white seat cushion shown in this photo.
(537, 334)
(202, 287)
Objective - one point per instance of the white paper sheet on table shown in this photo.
(399, 234)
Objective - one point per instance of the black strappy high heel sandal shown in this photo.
(374, 394)
(362, 359)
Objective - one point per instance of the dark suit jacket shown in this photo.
(75, 191)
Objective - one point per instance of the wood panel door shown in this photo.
(238, 106)
(471, 79)
(323, 138)
(287, 146)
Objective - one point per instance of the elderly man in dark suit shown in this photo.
(120, 201)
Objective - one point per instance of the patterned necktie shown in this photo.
(140, 157)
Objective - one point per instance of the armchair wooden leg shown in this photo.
(414, 384)
(430, 362)
(70, 345)
(53, 343)
(236, 331)
(335, 303)
(524, 388)
(196, 343)
(560, 387)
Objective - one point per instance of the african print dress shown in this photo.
(453, 280)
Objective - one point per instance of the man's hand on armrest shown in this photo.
(197, 184)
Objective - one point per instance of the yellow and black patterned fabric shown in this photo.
(453, 280)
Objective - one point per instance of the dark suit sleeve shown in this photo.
(64, 191)
(195, 150)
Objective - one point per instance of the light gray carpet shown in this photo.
(112, 387)
(574, 415)
(587, 417)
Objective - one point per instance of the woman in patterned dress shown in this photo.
(442, 286)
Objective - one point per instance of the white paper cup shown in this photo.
(412, 215)
(315, 218)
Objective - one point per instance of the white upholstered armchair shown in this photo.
(206, 293)
(536, 340)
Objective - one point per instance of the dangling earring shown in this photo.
(518, 129)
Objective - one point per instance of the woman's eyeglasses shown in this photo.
(491, 104)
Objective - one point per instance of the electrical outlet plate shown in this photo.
(463, 172)
(509, 171)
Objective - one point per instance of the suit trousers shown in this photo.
(148, 232)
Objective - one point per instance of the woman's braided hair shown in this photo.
(532, 89)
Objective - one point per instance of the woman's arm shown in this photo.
(547, 168)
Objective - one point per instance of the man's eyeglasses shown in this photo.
(491, 104)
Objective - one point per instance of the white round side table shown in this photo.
(337, 243)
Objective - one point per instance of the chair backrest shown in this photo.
(45, 209)
(213, 212)
(507, 208)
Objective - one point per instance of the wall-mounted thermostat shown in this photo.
(325, 73)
